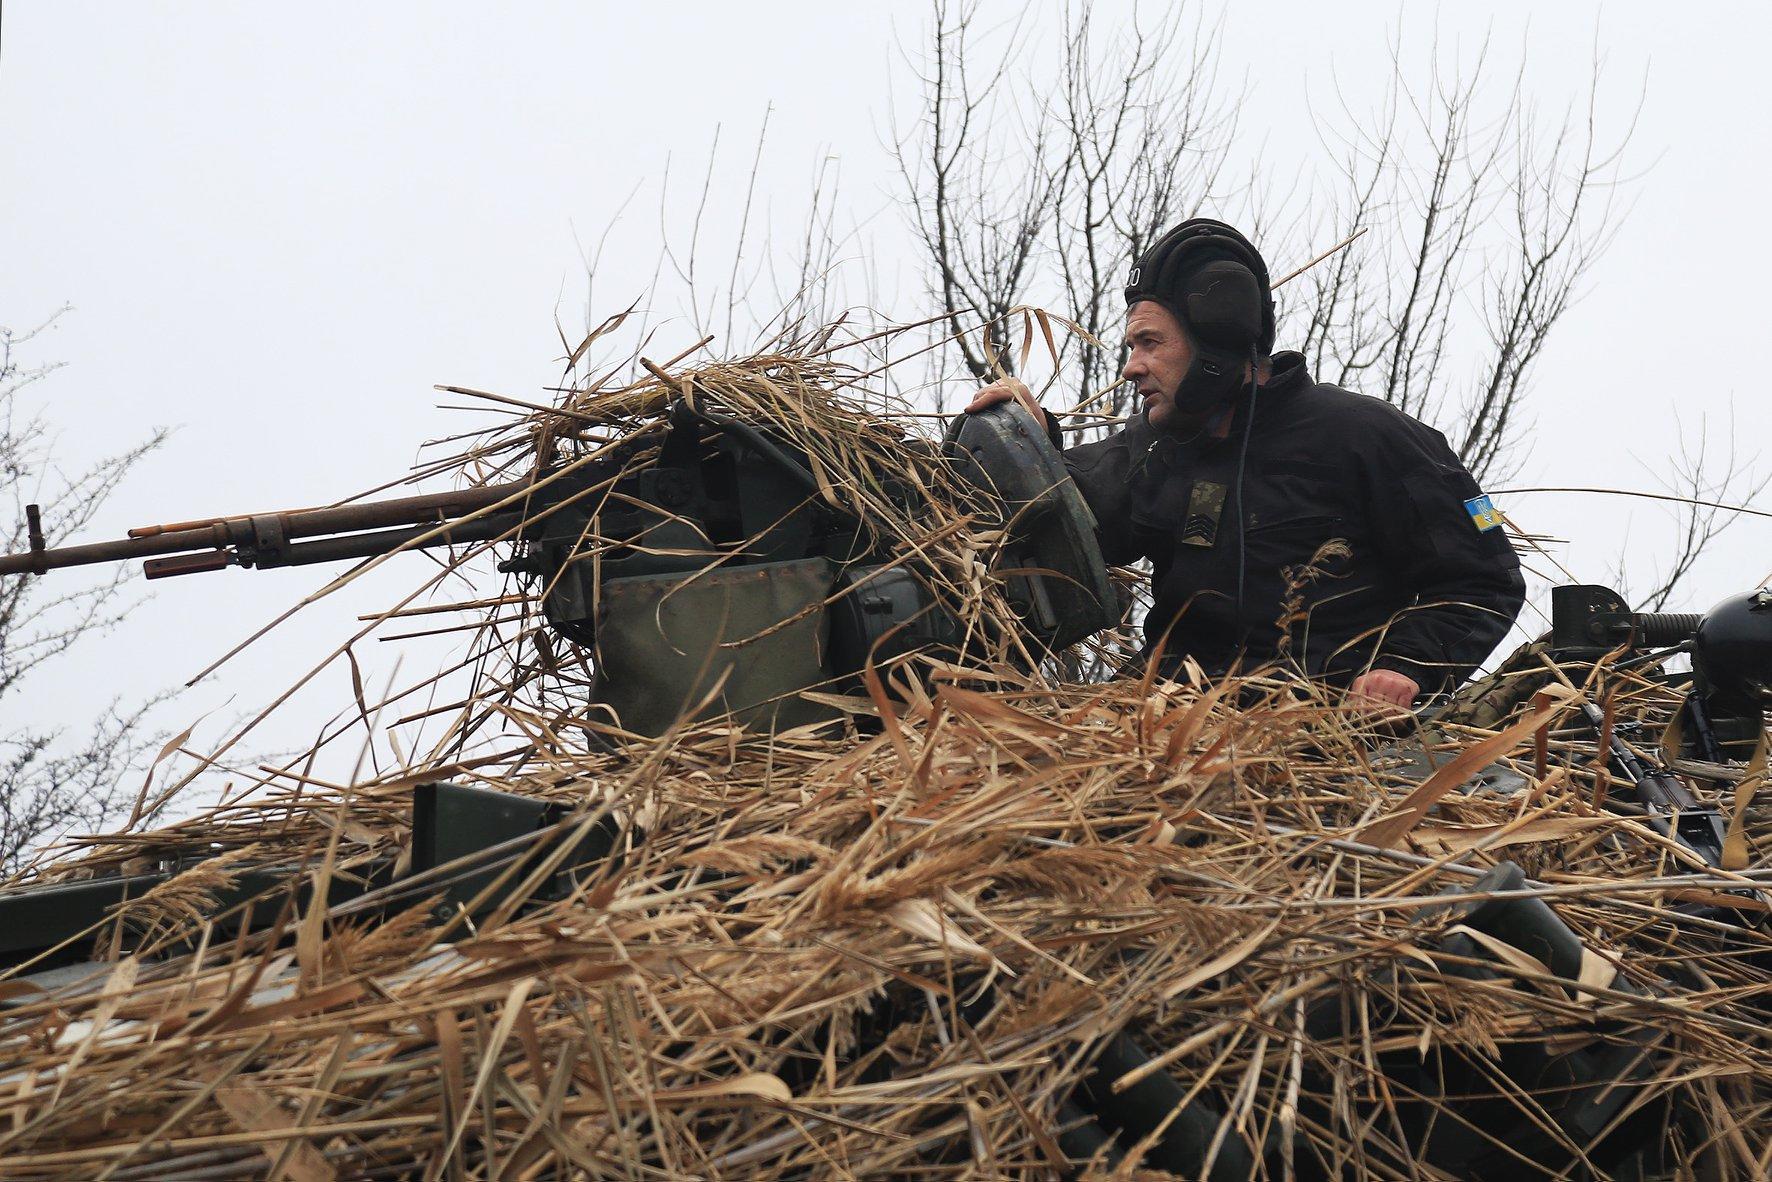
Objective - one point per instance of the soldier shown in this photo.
(1285, 520)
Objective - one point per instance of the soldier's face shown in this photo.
(1158, 359)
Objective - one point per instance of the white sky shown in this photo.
(279, 227)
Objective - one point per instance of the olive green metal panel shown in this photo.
(664, 642)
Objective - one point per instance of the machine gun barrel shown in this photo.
(1591, 619)
(271, 539)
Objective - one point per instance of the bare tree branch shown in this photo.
(1703, 485)
(1042, 184)
(47, 784)
(1502, 220)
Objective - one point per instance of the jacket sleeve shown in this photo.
(1465, 578)
(1101, 472)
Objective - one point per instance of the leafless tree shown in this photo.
(1483, 224)
(60, 778)
(1130, 165)
(1044, 182)
(1014, 199)
(1701, 489)
(981, 191)
(726, 267)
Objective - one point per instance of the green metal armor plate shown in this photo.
(755, 633)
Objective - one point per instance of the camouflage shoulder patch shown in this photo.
(1483, 513)
(1205, 505)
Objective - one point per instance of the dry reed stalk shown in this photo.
(888, 950)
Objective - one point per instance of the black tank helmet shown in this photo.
(1214, 281)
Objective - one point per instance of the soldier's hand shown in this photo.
(1002, 391)
(1382, 687)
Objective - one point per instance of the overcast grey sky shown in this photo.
(280, 226)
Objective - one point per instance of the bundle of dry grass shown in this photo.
(968, 936)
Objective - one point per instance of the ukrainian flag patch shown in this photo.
(1483, 513)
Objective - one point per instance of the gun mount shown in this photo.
(1720, 723)
(1731, 651)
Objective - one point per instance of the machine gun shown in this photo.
(1723, 716)
(733, 572)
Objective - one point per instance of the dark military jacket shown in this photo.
(1363, 540)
